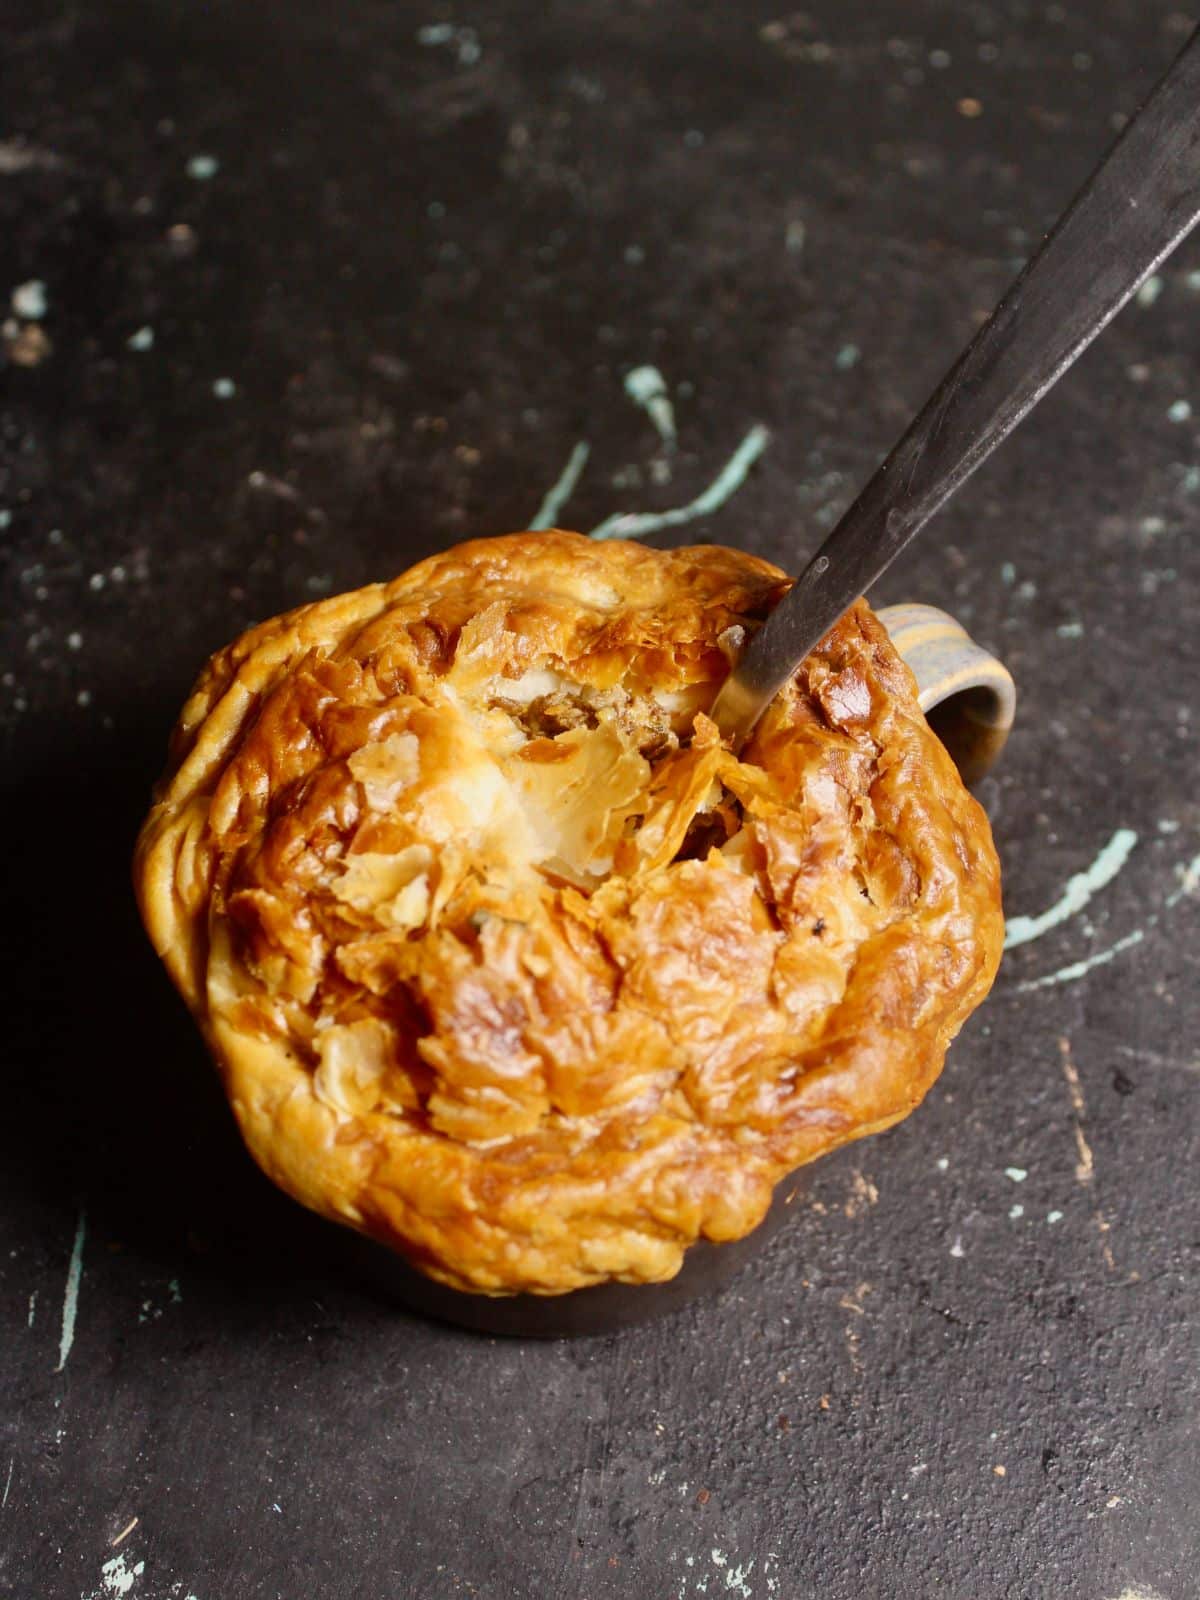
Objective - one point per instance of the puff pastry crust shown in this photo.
(505, 961)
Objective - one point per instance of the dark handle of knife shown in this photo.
(1136, 207)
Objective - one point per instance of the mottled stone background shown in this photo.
(297, 293)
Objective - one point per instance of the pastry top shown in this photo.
(505, 960)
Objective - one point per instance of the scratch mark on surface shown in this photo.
(32, 1309)
(634, 524)
(71, 1293)
(1079, 890)
(561, 491)
(647, 388)
(124, 1534)
(7, 1483)
(1085, 1167)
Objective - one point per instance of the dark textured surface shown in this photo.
(425, 268)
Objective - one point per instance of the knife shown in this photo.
(1138, 204)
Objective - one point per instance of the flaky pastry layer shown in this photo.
(506, 961)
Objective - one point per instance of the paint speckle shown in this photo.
(463, 41)
(33, 1300)
(1054, 1216)
(693, 138)
(1150, 290)
(1193, 282)
(634, 255)
(143, 339)
(956, 1249)
(5, 519)
(29, 300)
(84, 698)
(1000, 1472)
(70, 1308)
(1017, 1174)
(939, 59)
(224, 388)
(1015, 1213)
(74, 641)
(847, 357)
(795, 237)
(1078, 892)
(1069, 630)
(969, 107)
(203, 167)
(1008, 573)
(942, 1163)
(1167, 825)
(1179, 411)
(647, 388)
(1151, 527)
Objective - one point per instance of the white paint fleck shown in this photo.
(1138, 1591)
(5, 518)
(633, 525)
(29, 300)
(33, 1299)
(143, 339)
(224, 388)
(1017, 1174)
(116, 1579)
(1069, 630)
(1054, 1216)
(847, 357)
(561, 491)
(71, 1293)
(1008, 573)
(956, 1249)
(1015, 1213)
(75, 641)
(7, 1483)
(942, 1163)
(795, 237)
(1167, 825)
(1179, 411)
(647, 388)
(1078, 892)
(1150, 290)
(202, 167)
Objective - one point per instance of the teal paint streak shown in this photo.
(1079, 890)
(636, 524)
(1079, 969)
(558, 495)
(71, 1293)
(647, 388)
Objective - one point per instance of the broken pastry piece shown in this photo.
(506, 961)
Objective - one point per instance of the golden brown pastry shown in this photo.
(505, 961)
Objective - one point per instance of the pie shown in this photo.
(506, 960)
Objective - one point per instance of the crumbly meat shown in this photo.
(506, 961)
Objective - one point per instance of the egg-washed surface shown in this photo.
(506, 961)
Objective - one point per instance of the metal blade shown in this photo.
(1141, 201)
